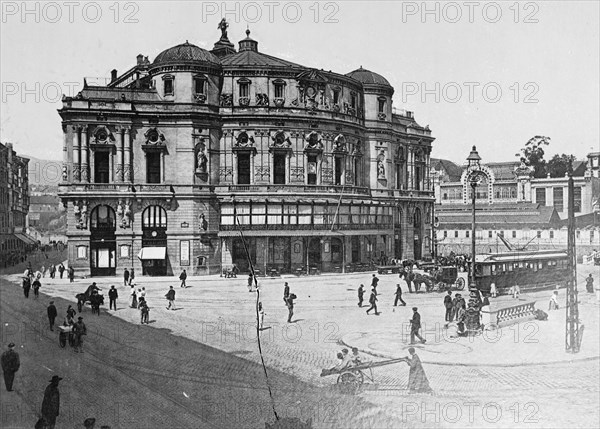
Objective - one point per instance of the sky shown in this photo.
(490, 74)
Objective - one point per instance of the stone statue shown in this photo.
(84, 210)
(380, 165)
(223, 27)
(203, 222)
(126, 215)
(77, 213)
(202, 161)
(339, 143)
(313, 141)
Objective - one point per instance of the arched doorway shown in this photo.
(102, 241)
(418, 231)
(314, 253)
(337, 254)
(154, 235)
(398, 234)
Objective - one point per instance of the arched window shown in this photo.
(102, 217)
(154, 217)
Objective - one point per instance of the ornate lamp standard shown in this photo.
(474, 177)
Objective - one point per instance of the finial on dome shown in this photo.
(247, 32)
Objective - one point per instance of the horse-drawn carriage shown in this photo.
(439, 279)
(92, 297)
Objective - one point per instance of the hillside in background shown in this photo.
(44, 172)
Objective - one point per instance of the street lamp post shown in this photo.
(473, 177)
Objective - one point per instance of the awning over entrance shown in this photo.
(25, 239)
(152, 253)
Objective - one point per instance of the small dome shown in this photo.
(186, 52)
(368, 77)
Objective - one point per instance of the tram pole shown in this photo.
(572, 339)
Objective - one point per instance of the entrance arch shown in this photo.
(103, 243)
(154, 234)
(314, 253)
(239, 256)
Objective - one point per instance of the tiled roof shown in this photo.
(258, 59)
(453, 171)
(498, 216)
(186, 52)
(368, 77)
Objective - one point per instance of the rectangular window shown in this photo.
(81, 252)
(304, 214)
(244, 90)
(199, 86)
(101, 167)
(168, 89)
(153, 167)
(455, 234)
(336, 97)
(551, 234)
(274, 215)
(258, 214)
(353, 101)
(279, 93)
(514, 234)
(540, 196)
(467, 233)
(445, 234)
(539, 234)
(242, 212)
(312, 169)
(243, 164)
(557, 194)
(279, 169)
(577, 199)
(490, 234)
(339, 170)
(381, 106)
(357, 181)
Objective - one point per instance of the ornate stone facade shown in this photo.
(315, 167)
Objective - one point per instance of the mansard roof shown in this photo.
(257, 59)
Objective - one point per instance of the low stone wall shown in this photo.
(508, 314)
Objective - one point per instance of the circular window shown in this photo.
(154, 233)
(153, 136)
(102, 136)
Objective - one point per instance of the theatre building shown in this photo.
(168, 164)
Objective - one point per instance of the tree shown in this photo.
(533, 154)
(559, 165)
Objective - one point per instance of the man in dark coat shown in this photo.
(126, 277)
(374, 281)
(361, 293)
(52, 313)
(51, 403)
(26, 286)
(449, 307)
(398, 296)
(61, 270)
(71, 274)
(286, 292)
(171, 298)
(373, 302)
(112, 297)
(415, 325)
(36, 287)
(183, 277)
(290, 305)
(10, 365)
(79, 329)
(589, 284)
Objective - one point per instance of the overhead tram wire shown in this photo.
(262, 360)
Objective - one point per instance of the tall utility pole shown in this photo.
(572, 320)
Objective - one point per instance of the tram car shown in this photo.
(530, 270)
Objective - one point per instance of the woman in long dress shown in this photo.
(417, 380)
(134, 301)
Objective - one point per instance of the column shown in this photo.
(411, 166)
(85, 168)
(76, 155)
(65, 166)
(120, 162)
(162, 166)
(127, 173)
(252, 171)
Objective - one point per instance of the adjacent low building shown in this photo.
(169, 163)
(514, 209)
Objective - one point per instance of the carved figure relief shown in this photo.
(313, 141)
(281, 140)
(262, 100)
(126, 222)
(154, 137)
(65, 174)
(201, 158)
(203, 222)
(244, 140)
(226, 100)
(381, 165)
(339, 143)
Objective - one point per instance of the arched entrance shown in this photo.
(102, 241)
(337, 254)
(314, 253)
(418, 231)
(154, 235)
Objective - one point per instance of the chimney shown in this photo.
(113, 75)
(140, 59)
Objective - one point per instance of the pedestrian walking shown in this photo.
(61, 270)
(112, 298)
(171, 298)
(493, 290)
(26, 286)
(415, 325)
(10, 365)
(399, 296)
(144, 312)
(553, 304)
(589, 284)
(51, 403)
(139, 297)
(374, 281)
(286, 291)
(131, 277)
(373, 302)
(36, 288)
(52, 271)
(134, 300)
(290, 305)
(516, 291)
(417, 380)
(361, 293)
(183, 277)
(126, 277)
(71, 313)
(261, 316)
(71, 274)
(52, 313)
(79, 330)
(43, 271)
(449, 307)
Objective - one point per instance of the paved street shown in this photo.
(202, 360)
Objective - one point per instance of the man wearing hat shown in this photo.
(52, 313)
(51, 403)
(89, 423)
(79, 330)
(10, 365)
(415, 325)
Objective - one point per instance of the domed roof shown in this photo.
(185, 52)
(368, 77)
